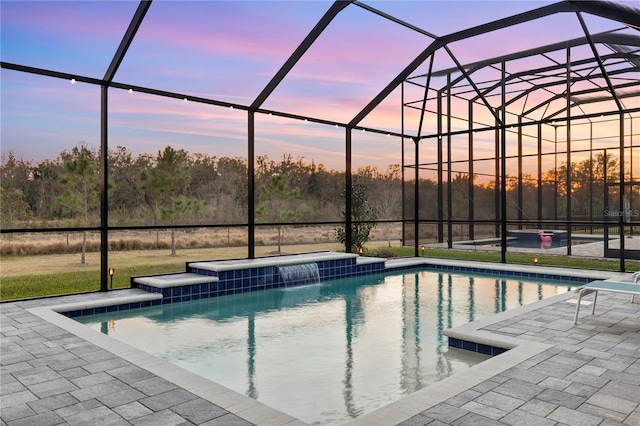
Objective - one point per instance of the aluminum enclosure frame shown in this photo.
(627, 17)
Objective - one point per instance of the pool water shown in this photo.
(328, 352)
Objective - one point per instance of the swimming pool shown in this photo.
(328, 352)
(529, 242)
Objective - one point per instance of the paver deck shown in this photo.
(56, 372)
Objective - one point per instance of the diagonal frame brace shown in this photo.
(313, 35)
(468, 77)
(134, 25)
(424, 100)
(599, 61)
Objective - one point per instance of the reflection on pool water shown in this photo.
(328, 352)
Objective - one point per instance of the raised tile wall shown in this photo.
(498, 272)
(475, 347)
(256, 279)
(267, 277)
(113, 308)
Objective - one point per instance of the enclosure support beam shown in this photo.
(596, 56)
(569, 184)
(631, 206)
(605, 197)
(135, 23)
(402, 177)
(313, 35)
(416, 203)
(591, 175)
(555, 174)
(348, 191)
(602, 38)
(622, 215)
(251, 198)
(503, 168)
(462, 70)
(104, 191)
(424, 100)
(520, 189)
(539, 175)
(449, 189)
(471, 175)
(496, 171)
(440, 192)
(126, 41)
(416, 140)
(549, 116)
(460, 35)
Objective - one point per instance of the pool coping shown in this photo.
(519, 350)
(247, 408)
(393, 413)
(230, 265)
(175, 280)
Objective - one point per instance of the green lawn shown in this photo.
(29, 286)
(526, 259)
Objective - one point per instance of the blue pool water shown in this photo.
(328, 352)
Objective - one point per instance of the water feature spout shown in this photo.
(307, 273)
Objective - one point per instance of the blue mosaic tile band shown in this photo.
(496, 272)
(475, 347)
(114, 308)
(268, 277)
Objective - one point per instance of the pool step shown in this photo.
(179, 287)
(174, 280)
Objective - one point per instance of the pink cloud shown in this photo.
(104, 20)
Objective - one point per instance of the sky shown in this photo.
(229, 51)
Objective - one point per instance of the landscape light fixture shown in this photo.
(112, 272)
(535, 261)
(422, 248)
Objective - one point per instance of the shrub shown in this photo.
(380, 252)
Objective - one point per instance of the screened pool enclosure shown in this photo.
(273, 127)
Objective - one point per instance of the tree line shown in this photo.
(176, 187)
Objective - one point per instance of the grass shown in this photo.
(29, 286)
(567, 262)
(521, 259)
(50, 276)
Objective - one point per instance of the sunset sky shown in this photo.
(229, 51)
